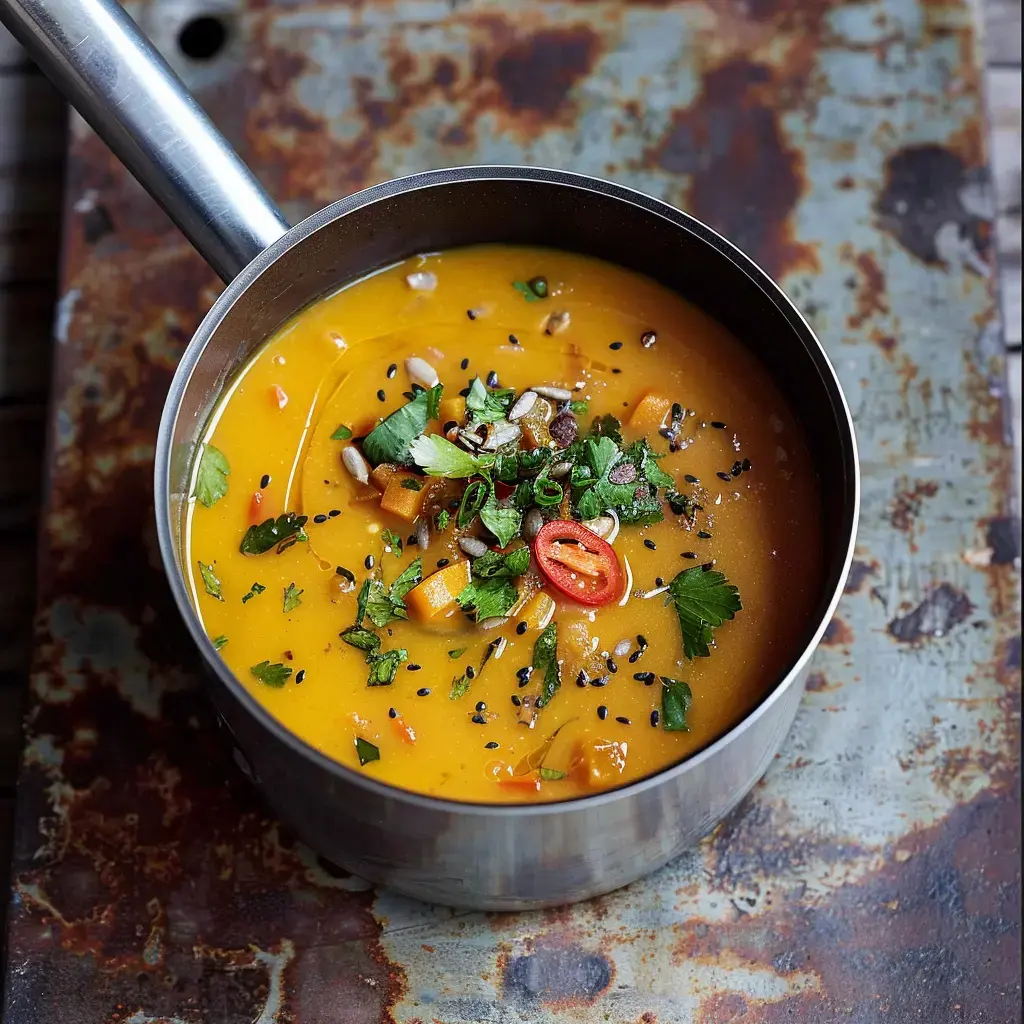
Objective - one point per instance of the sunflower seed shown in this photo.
(622, 648)
(473, 546)
(421, 372)
(523, 404)
(352, 459)
(555, 394)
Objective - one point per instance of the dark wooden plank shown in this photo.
(12, 693)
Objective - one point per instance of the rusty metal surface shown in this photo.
(874, 873)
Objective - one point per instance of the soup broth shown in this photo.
(363, 536)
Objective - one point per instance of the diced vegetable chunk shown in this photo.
(535, 424)
(436, 595)
(601, 762)
(406, 502)
(382, 474)
(650, 413)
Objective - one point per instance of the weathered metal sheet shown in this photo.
(874, 873)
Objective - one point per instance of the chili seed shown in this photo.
(368, 561)
(655, 718)
(442, 562)
(745, 465)
(622, 720)
(611, 666)
(521, 627)
(691, 479)
(392, 370)
(689, 554)
(615, 346)
(481, 706)
(647, 678)
(423, 691)
(650, 545)
(492, 379)
(517, 700)
(392, 713)
(471, 313)
(602, 712)
(264, 480)
(704, 535)
(492, 745)
(513, 340)
(478, 720)
(320, 518)
(718, 424)
(300, 675)
(581, 678)
(648, 339)
(725, 476)
(599, 681)
(413, 667)
(464, 364)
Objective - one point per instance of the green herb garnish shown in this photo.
(341, 433)
(532, 290)
(461, 684)
(406, 580)
(274, 675)
(389, 441)
(504, 521)
(488, 598)
(292, 597)
(606, 426)
(254, 590)
(457, 653)
(494, 563)
(386, 604)
(361, 638)
(545, 663)
(366, 751)
(441, 520)
(551, 774)
(474, 497)
(210, 581)
(676, 698)
(437, 456)
(219, 642)
(579, 408)
(384, 666)
(281, 532)
(486, 406)
(391, 540)
(703, 601)
(212, 476)
(410, 483)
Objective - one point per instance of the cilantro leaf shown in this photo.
(341, 433)
(545, 663)
(503, 521)
(408, 578)
(410, 483)
(389, 441)
(274, 675)
(676, 698)
(281, 532)
(360, 638)
(703, 601)
(579, 408)
(210, 581)
(384, 666)
(551, 774)
(219, 642)
(524, 289)
(366, 751)
(292, 597)
(212, 476)
(380, 606)
(485, 405)
(494, 563)
(391, 540)
(606, 426)
(458, 652)
(489, 598)
(460, 686)
(254, 591)
(442, 519)
(437, 456)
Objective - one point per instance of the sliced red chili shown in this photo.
(255, 513)
(578, 562)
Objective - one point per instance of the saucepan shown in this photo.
(472, 855)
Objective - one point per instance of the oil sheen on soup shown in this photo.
(505, 524)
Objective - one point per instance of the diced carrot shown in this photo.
(382, 474)
(255, 512)
(601, 762)
(522, 783)
(436, 594)
(404, 731)
(404, 502)
(578, 558)
(452, 409)
(650, 413)
(537, 613)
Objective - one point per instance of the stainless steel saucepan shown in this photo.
(474, 855)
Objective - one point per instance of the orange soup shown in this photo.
(505, 524)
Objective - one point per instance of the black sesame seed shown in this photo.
(746, 466)
(691, 479)
(602, 712)
(265, 480)
(718, 424)
(517, 700)
(599, 681)
(464, 363)
(300, 675)
(320, 518)
(610, 664)
(650, 545)
(481, 706)
(704, 535)
(689, 554)
(471, 313)
(707, 566)
(381, 396)
(648, 339)
(347, 573)
(423, 691)
(615, 346)
(724, 476)
(392, 713)
(464, 393)
(513, 340)
(636, 656)
(334, 513)
(581, 678)
(659, 581)
(368, 561)
(478, 720)
(492, 745)
(616, 369)
(442, 562)
(413, 667)
(449, 425)
(412, 539)
(409, 394)
(470, 672)
(492, 379)
(622, 720)
(641, 640)
(655, 718)
(647, 678)
(523, 674)
(522, 627)
(392, 370)
(737, 468)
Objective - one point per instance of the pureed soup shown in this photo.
(505, 524)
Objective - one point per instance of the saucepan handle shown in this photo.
(121, 85)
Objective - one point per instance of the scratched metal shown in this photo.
(874, 873)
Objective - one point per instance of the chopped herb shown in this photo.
(532, 290)
(281, 532)
(341, 433)
(551, 774)
(391, 540)
(460, 686)
(488, 598)
(474, 497)
(441, 520)
(578, 408)
(254, 590)
(212, 476)
(219, 642)
(410, 483)
(504, 521)
(703, 600)
(606, 426)
(407, 579)
(210, 581)
(437, 456)
(487, 406)
(389, 441)
(676, 698)
(292, 597)
(384, 666)
(274, 675)
(386, 604)
(545, 661)
(458, 652)
(494, 563)
(359, 637)
(366, 751)
(547, 492)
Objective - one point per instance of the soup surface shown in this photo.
(363, 535)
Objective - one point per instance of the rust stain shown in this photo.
(860, 571)
(906, 505)
(837, 634)
(871, 297)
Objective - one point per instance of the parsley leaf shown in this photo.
(503, 521)
(458, 652)
(411, 575)
(486, 406)
(676, 698)
(526, 291)
(389, 441)
(384, 666)
(460, 686)
(579, 408)
(437, 456)
(391, 540)
(489, 598)
(219, 642)
(703, 601)
(606, 426)
(283, 532)
(385, 604)
(210, 581)
(366, 751)
(212, 476)
(269, 674)
(410, 483)
(361, 638)
(442, 519)
(254, 591)
(341, 433)
(545, 663)
(494, 563)
(292, 597)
